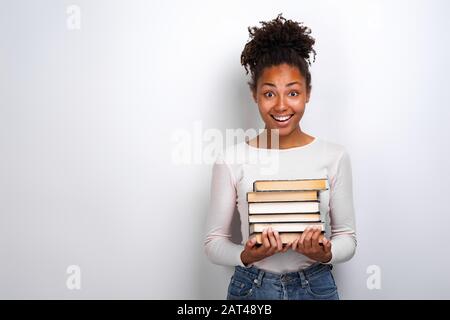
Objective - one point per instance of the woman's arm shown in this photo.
(217, 244)
(342, 215)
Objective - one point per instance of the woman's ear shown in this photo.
(308, 95)
(254, 96)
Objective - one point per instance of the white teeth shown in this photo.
(282, 118)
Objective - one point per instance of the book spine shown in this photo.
(259, 211)
(281, 201)
(266, 225)
(287, 221)
(315, 212)
(255, 184)
(256, 189)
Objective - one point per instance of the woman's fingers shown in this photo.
(250, 243)
(278, 240)
(286, 247)
(321, 237)
(273, 241)
(295, 244)
(320, 241)
(265, 239)
(316, 233)
(304, 239)
(326, 245)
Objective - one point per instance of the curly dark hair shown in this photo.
(278, 41)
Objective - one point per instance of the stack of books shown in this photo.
(288, 206)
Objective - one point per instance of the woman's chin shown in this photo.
(282, 131)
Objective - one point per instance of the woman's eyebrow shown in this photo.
(288, 85)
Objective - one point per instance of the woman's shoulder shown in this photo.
(332, 152)
(332, 147)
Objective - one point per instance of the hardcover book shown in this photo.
(288, 206)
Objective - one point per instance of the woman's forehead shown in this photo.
(284, 75)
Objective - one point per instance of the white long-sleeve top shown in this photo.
(233, 174)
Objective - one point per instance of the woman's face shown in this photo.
(281, 97)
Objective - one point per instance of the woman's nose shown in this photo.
(280, 105)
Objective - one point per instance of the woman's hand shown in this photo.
(271, 244)
(308, 244)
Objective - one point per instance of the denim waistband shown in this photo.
(307, 273)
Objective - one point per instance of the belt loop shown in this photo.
(258, 280)
(303, 280)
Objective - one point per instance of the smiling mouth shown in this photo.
(282, 118)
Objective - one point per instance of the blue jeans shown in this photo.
(313, 283)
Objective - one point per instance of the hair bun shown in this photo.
(277, 34)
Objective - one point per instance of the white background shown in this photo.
(86, 119)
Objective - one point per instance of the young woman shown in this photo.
(277, 57)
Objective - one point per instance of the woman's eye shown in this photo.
(268, 94)
(294, 94)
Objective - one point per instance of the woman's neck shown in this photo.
(296, 138)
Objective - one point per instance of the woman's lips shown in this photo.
(282, 121)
